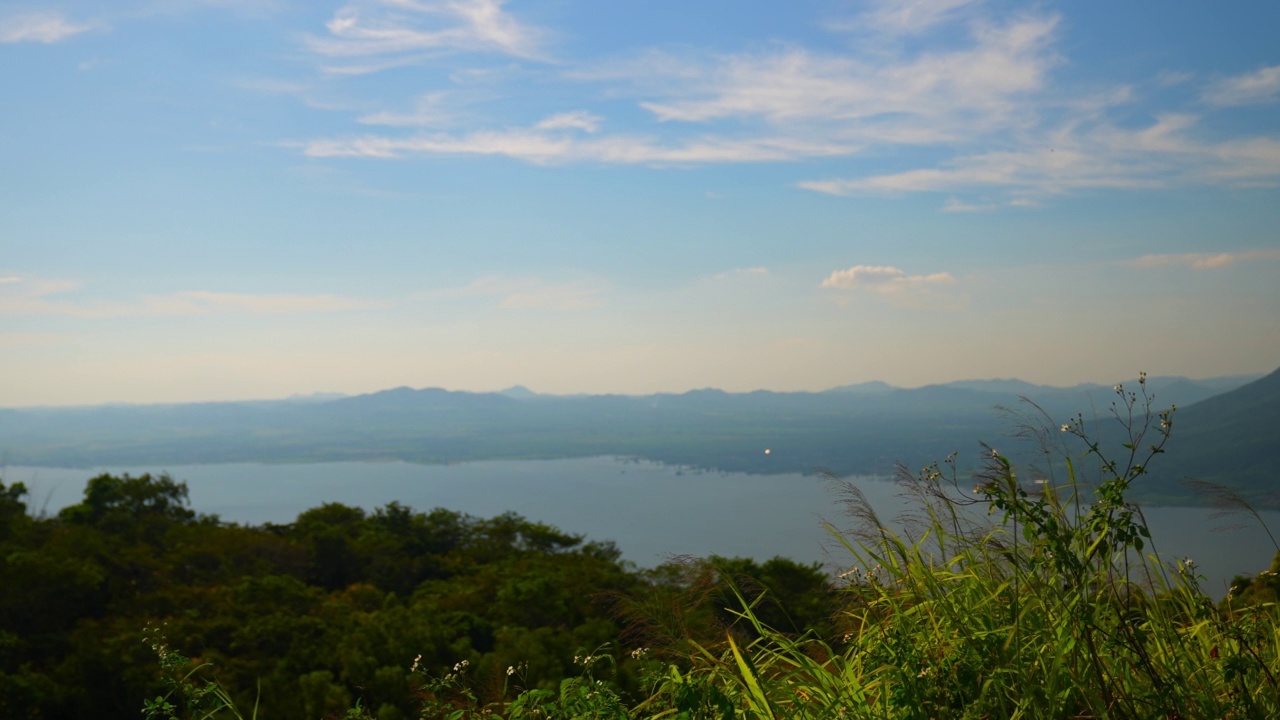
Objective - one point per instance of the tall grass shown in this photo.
(1003, 599)
(1048, 605)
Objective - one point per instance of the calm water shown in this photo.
(651, 511)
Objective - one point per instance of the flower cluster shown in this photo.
(458, 668)
(856, 574)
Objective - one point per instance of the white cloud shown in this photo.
(1083, 156)
(1246, 161)
(399, 29)
(1049, 171)
(932, 95)
(1261, 86)
(47, 27)
(540, 146)
(1204, 261)
(882, 278)
(930, 292)
(575, 120)
(821, 105)
(981, 97)
(909, 16)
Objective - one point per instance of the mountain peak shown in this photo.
(871, 387)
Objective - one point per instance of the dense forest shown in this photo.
(333, 609)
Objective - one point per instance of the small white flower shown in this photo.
(511, 670)
(1065, 428)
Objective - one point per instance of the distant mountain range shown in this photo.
(1225, 428)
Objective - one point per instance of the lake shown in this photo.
(652, 511)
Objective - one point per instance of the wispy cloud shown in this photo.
(930, 291)
(539, 145)
(575, 120)
(907, 17)
(982, 98)
(1205, 261)
(882, 278)
(815, 104)
(429, 111)
(528, 293)
(399, 30)
(1049, 171)
(41, 27)
(1078, 156)
(899, 97)
(58, 298)
(306, 93)
(1261, 86)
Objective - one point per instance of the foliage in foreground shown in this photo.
(1050, 604)
(325, 612)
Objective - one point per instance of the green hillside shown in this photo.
(1232, 439)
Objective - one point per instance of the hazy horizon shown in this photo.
(322, 394)
(208, 200)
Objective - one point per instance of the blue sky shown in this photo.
(225, 199)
